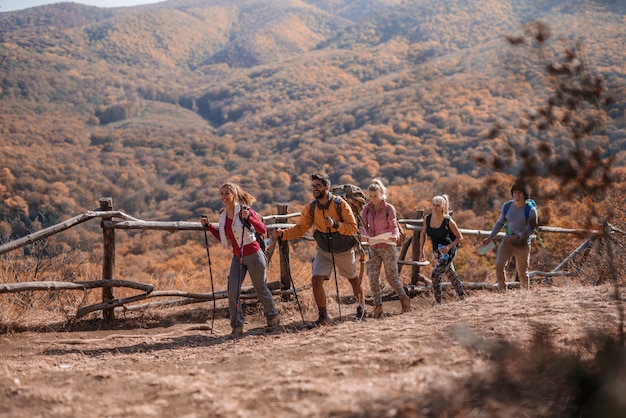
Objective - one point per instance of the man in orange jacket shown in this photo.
(335, 227)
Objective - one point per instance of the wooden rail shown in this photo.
(112, 220)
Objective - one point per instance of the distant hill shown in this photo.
(158, 105)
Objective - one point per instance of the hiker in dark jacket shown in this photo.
(519, 234)
(235, 228)
(334, 236)
(445, 237)
(379, 217)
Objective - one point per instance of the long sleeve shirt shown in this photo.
(250, 245)
(378, 220)
(516, 222)
(346, 222)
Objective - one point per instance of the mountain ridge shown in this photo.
(406, 91)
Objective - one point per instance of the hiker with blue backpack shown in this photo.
(519, 217)
(446, 238)
(236, 227)
(335, 228)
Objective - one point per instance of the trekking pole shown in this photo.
(332, 254)
(288, 268)
(240, 278)
(208, 255)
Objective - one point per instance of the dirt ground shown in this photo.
(415, 364)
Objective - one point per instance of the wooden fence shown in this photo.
(112, 220)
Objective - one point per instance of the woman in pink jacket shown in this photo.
(379, 217)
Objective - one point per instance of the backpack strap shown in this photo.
(337, 201)
(507, 205)
(505, 209)
(527, 208)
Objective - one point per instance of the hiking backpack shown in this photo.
(351, 194)
(260, 238)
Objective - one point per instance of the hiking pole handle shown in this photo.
(247, 210)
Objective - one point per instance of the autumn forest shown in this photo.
(156, 106)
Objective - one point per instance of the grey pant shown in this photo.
(256, 265)
(387, 256)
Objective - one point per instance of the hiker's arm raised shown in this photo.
(304, 224)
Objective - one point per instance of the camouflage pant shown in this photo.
(388, 257)
(445, 267)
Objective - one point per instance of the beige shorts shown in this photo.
(345, 263)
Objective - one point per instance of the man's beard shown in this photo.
(318, 193)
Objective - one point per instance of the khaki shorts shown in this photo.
(345, 263)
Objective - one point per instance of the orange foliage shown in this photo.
(411, 97)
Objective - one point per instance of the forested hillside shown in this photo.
(157, 106)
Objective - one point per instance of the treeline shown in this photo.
(159, 105)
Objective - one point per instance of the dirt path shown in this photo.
(401, 365)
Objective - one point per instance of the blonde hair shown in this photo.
(241, 196)
(378, 187)
(444, 201)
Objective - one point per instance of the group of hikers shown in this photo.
(335, 227)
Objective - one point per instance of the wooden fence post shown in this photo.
(283, 256)
(108, 261)
(415, 251)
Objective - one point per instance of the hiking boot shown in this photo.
(237, 332)
(360, 313)
(273, 322)
(321, 321)
(405, 302)
(378, 311)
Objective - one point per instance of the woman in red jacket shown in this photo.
(236, 226)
